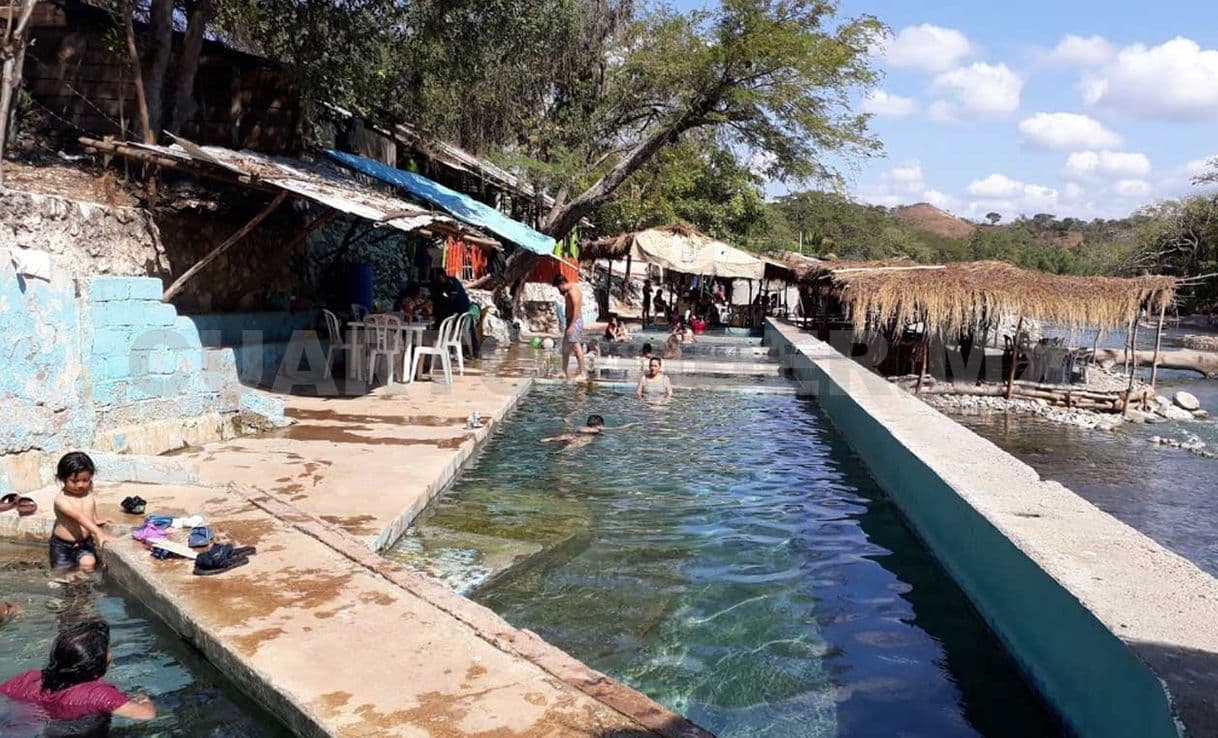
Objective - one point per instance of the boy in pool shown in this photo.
(582, 436)
(77, 532)
(71, 687)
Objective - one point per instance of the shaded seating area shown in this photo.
(689, 262)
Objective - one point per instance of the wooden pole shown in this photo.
(1014, 357)
(1133, 364)
(925, 356)
(137, 75)
(1129, 347)
(215, 253)
(1154, 363)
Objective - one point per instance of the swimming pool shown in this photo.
(192, 698)
(730, 557)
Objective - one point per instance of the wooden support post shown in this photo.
(1095, 345)
(1129, 347)
(1132, 361)
(925, 357)
(1014, 358)
(215, 253)
(1154, 362)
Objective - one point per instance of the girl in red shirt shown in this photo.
(71, 687)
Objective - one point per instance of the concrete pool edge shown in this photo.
(1115, 631)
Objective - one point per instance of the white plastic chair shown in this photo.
(439, 350)
(337, 343)
(384, 337)
(459, 338)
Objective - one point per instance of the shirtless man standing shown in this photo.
(573, 335)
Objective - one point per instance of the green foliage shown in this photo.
(692, 182)
(1180, 237)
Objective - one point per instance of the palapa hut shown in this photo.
(684, 250)
(912, 305)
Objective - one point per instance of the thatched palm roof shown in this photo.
(953, 296)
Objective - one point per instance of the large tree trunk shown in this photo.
(137, 74)
(1202, 362)
(160, 23)
(201, 14)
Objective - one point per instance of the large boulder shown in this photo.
(1187, 400)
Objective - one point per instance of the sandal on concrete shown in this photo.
(26, 507)
(8, 502)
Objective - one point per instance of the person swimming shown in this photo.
(580, 437)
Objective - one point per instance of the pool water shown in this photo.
(192, 698)
(729, 557)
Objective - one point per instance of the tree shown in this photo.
(768, 77)
(993, 217)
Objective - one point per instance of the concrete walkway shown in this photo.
(329, 636)
(367, 464)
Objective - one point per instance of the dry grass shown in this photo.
(960, 295)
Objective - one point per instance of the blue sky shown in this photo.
(1073, 107)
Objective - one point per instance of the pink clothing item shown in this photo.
(75, 702)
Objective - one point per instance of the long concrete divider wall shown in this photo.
(1116, 632)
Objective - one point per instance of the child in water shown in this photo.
(77, 532)
(582, 436)
(71, 686)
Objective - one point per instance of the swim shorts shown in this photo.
(575, 335)
(66, 554)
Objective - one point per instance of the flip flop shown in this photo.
(26, 507)
(133, 505)
(221, 558)
(159, 521)
(200, 536)
(8, 502)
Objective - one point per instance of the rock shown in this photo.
(1137, 416)
(1201, 414)
(1175, 413)
(1187, 400)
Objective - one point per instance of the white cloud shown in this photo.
(1198, 167)
(1107, 164)
(1062, 131)
(1175, 80)
(1087, 51)
(1004, 194)
(1133, 188)
(927, 47)
(977, 91)
(1074, 191)
(885, 105)
(940, 200)
(907, 175)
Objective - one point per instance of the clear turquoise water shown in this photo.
(731, 558)
(192, 698)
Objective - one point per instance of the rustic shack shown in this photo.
(80, 81)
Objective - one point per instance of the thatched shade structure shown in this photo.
(957, 296)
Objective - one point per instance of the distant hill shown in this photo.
(926, 217)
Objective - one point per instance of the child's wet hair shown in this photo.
(79, 654)
(74, 463)
(595, 421)
(647, 349)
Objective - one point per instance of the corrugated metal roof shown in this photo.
(321, 182)
(462, 207)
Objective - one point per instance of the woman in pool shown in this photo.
(654, 385)
(71, 686)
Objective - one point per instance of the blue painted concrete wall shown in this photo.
(1093, 679)
(82, 357)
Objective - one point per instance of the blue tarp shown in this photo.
(461, 207)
